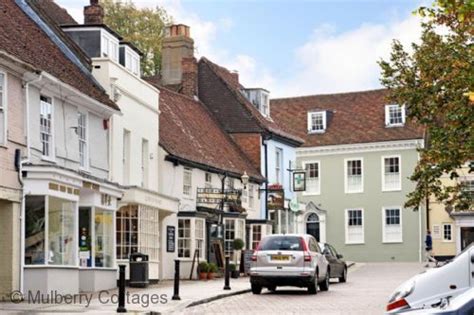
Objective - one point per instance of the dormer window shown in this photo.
(129, 57)
(394, 115)
(109, 46)
(317, 122)
(260, 99)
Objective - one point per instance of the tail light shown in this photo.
(396, 305)
(254, 256)
(307, 256)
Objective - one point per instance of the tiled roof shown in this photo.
(189, 131)
(238, 116)
(57, 13)
(357, 117)
(23, 38)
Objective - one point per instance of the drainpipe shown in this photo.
(20, 179)
(264, 143)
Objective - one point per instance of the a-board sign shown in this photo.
(170, 238)
(247, 259)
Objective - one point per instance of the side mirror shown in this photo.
(339, 256)
(326, 252)
(472, 258)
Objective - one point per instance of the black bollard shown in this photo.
(176, 281)
(121, 298)
(226, 273)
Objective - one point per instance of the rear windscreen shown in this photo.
(282, 243)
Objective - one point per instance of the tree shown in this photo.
(435, 81)
(143, 27)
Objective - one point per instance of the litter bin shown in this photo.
(138, 270)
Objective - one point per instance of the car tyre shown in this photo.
(272, 288)
(313, 287)
(256, 289)
(324, 286)
(343, 277)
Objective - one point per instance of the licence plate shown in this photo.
(280, 257)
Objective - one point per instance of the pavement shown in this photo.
(366, 292)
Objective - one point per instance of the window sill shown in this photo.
(392, 190)
(448, 241)
(354, 192)
(355, 243)
(395, 126)
(48, 159)
(392, 242)
(311, 193)
(316, 132)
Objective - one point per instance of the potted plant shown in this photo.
(234, 273)
(212, 269)
(203, 269)
(238, 246)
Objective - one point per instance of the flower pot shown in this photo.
(210, 275)
(234, 274)
(203, 276)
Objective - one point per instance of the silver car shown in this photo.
(289, 260)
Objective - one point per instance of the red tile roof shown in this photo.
(189, 131)
(57, 13)
(356, 117)
(246, 108)
(23, 38)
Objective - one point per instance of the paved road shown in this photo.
(366, 292)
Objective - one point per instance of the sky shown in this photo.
(293, 47)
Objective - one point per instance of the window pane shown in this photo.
(34, 230)
(61, 232)
(103, 238)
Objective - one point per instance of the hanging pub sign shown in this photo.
(276, 197)
(299, 181)
(215, 195)
(170, 238)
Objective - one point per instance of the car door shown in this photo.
(340, 264)
(331, 258)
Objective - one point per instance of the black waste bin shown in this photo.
(138, 270)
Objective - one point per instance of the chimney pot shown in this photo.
(94, 13)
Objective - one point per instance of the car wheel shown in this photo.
(272, 288)
(313, 287)
(343, 277)
(324, 286)
(256, 289)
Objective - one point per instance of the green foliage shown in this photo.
(232, 267)
(238, 244)
(143, 27)
(433, 81)
(203, 267)
(213, 268)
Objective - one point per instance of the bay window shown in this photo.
(199, 236)
(256, 235)
(191, 237)
(127, 231)
(233, 229)
(104, 241)
(184, 238)
(50, 231)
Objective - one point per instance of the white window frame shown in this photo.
(187, 186)
(109, 45)
(52, 148)
(310, 122)
(279, 165)
(346, 226)
(443, 232)
(384, 225)
(197, 237)
(184, 238)
(387, 115)
(384, 186)
(145, 162)
(4, 108)
(208, 180)
(346, 179)
(84, 164)
(318, 191)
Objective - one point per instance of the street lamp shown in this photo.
(245, 179)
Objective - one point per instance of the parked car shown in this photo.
(436, 286)
(338, 267)
(460, 305)
(289, 260)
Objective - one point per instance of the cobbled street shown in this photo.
(366, 292)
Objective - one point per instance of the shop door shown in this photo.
(85, 250)
(467, 236)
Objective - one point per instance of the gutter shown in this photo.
(265, 147)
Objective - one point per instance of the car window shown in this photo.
(282, 243)
(327, 250)
(333, 250)
(313, 246)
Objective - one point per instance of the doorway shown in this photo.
(312, 226)
(467, 236)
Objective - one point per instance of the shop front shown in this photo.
(464, 229)
(140, 223)
(68, 231)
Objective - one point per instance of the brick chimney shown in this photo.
(94, 13)
(189, 78)
(177, 45)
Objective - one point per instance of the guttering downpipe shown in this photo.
(265, 150)
(20, 179)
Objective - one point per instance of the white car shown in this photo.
(437, 286)
(289, 260)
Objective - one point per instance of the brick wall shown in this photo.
(250, 144)
(189, 76)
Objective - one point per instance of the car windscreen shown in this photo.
(282, 243)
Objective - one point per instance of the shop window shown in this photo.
(184, 238)
(229, 236)
(35, 230)
(127, 231)
(104, 241)
(149, 232)
(61, 234)
(256, 235)
(199, 237)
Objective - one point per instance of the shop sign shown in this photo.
(294, 205)
(299, 181)
(215, 195)
(276, 197)
(170, 238)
